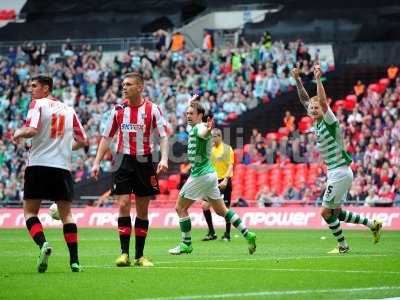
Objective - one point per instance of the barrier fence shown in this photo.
(280, 217)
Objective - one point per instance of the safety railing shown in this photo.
(111, 44)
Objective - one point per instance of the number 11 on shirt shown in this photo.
(57, 126)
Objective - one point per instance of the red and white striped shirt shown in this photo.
(58, 126)
(135, 126)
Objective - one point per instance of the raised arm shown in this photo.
(205, 131)
(320, 89)
(301, 91)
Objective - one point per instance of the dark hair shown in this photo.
(137, 76)
(44, 80)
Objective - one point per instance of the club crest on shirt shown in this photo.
(129, 127)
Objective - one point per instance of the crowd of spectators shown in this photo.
(371, 135)
(230, 81)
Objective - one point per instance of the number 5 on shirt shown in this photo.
(57, 126)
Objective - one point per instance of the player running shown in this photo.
(55, 131)
(203, 182)
(340, 175)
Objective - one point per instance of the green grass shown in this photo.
(288, 264)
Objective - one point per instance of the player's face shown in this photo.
(37, 90)
(315, 110)
(192, 116)
(216, 139)
(131, 88)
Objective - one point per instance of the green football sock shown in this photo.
(186, 227)
(234, 219)
(350, 217)
(334, 226)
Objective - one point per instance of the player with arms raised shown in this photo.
(340, 175)
(55, 131)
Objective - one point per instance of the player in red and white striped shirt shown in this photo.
(135, 125)
(55, 131)
(134, 121)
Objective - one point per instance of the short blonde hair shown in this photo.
(136, 76)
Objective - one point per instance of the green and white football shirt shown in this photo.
(199, 152)
(330, 141)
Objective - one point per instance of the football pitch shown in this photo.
(288, 264)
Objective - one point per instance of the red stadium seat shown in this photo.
(301, 166)
(373, 87)
(173, 181)
(236, 196)
(262, 180)
(246, 148)
(382, 88)
(351, 98)
(350, 102)
(272, 136)
(284, 131)
(240, 167)
(304, 124)
(163, 184)
(288, 173)
(338, 104)
(377, 87)
(238, 155)
(306, 119)
(384, 81)
(250, 179)
(232, 116)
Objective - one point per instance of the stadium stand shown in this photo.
(80, 79)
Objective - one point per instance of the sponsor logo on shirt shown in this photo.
(128, 127)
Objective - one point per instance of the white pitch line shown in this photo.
(252, 269)
(392, 298)
(276, 293)
(257, 258)
(221, 259)
(269, 258)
